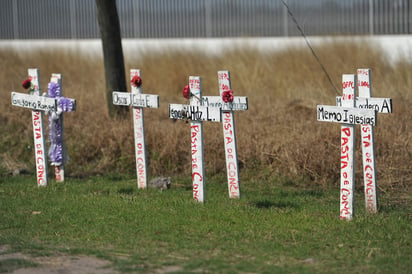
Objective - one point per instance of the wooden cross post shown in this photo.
(196, 113)
(138, 101)
(57, 151)
(38, 127)
(348, 116)
(381, 105)
(229, 133)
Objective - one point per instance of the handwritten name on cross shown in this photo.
(138, 101)
(381, 105)
(57, 151)
(196, 113)
(348, 116)
(38, 104)
(229, 133)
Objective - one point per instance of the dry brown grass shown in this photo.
(278, 135)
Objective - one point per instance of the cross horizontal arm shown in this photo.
(135, 100)
(36, 102)
(381, 105)
(195, 113)
(346, 115)
(239, 103)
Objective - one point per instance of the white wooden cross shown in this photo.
(348, 116)
(138, 101)
(381, 105)
(229, 132)
(57, 151)
(38, 104)
(196, 113)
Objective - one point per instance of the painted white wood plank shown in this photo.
(122, 98)
(239, 103)
(368, 146)
(145, 100)
(194, 113)
(347, 115)
(381, 105)
(139, 136)
(196, 132)
(38, 132)
(347, 178)
(229, 137)
(33, 101)
(135, 100)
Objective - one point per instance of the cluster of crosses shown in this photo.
(352, 110)
(207, 108)
(55, 105)
(349, 111)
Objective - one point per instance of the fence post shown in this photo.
(15, 20)
(73, 26)
(208, 18)
(285, 20)
(371, 17)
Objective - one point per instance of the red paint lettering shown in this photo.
(197, 174)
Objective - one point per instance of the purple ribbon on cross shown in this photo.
(56, 150)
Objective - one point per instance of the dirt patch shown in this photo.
(19, 263)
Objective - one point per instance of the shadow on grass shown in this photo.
(126, 191)
(266, 204)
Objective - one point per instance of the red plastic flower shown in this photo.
(227, 96)
(26, 84)
(136, 81)
(186, 92)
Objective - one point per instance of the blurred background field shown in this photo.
(278, 136)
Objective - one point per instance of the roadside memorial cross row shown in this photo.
(196, 113)
(138, 101)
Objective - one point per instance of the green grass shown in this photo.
(276, 226)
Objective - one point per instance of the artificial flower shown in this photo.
(227, 96)
(136, 81)
(186, 92)
(53, 90)
(26, 84)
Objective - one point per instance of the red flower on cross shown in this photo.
(136, 81)
(186, 92)
(227, 96)
(26, 84)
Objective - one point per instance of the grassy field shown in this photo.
(277, 226)
(287, 219)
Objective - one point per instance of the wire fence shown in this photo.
(76, 19)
